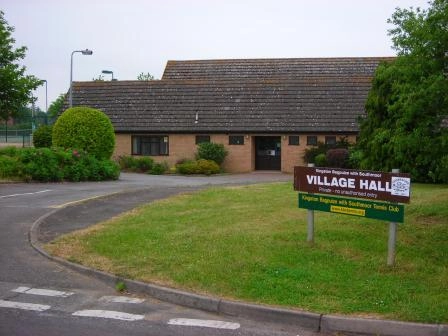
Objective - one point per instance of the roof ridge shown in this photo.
(227, 60)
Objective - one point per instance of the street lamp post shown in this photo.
(84, 52)
(108, 72)
(46, 95)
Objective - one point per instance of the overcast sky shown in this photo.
(134, 36)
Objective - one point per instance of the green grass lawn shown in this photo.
(249, 243)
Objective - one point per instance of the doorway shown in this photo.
(268, 153)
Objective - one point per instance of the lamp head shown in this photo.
(87, 52)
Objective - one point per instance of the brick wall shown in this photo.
(293, 155)
(241, 158)
(183, 146)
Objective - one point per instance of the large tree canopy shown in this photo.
(15, 87)
(407, 107)
(55, 107)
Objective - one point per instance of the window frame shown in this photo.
(311, 143)
(294, 143)
(136, 144)
(236, 143)
(332, 138)
(203, 136)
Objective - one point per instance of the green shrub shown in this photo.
(40, 164)
(45, 164)
(10, 167)
(201, 166)
(85, 167)
(158, 168)
(188, 168)
(42, 137)
(211, 151)
(207, 167)
(320, 160)
(441, 171)
(321, 148)
(9, 151)
(145, 164)
(85, 129)
(109, 170)
(312, 152)
(127, 162)
(355, 158)
(142, 164)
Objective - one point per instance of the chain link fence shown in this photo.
(20, 131)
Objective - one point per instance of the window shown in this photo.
(236, 140)
(294, 140)
(202, 138)
(330, 140)
(153, 145)
(311, 140)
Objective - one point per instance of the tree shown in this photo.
(145, 76)
(408, 103)
(15, 87)
(56, 107)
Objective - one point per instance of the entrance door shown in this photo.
(268, 153)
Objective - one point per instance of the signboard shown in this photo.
(351, 206)
(378, 186)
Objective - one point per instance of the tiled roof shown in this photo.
(271, 68)
(238, 96)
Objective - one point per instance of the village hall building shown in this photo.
(265, 112)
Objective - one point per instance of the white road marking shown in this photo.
(43, 292)
(204, 323)
(109, 314)
(58, 206)
(23, 305)
(121, 299)
(24, 194)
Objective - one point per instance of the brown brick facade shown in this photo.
(241, 158)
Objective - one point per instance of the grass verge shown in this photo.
(249, 243)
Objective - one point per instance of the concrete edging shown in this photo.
(312, 321)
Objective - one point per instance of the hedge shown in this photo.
(53, 165)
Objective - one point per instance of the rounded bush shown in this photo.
(86, 129)
(42, 137)
(320, 160)
(208, 167)
(212, 151)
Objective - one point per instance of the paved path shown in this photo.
(40, 297)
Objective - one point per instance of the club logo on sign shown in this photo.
(401, 186)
